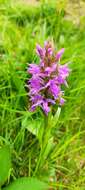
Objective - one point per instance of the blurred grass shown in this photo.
(21, 27)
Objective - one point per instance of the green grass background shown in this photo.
(21, 27)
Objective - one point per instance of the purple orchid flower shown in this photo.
(45, 85)
(60, 53)
(35, 85)
(40, 51)
(39, 100)
(54, 89)
(50, 70)
(34, 69)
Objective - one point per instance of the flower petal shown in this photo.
(60, 53)
(40, 51)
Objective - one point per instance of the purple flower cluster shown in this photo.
(47, 78)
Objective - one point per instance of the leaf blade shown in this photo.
(26, 183)
(5, 163)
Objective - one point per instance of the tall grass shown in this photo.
(21, 27)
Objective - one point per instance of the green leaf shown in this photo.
(32, 125)
(26, 183)
(56, 117)
(47, 150)
(5, 163)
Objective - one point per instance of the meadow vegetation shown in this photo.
(62, 164)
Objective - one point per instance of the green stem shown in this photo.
(45, 139)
